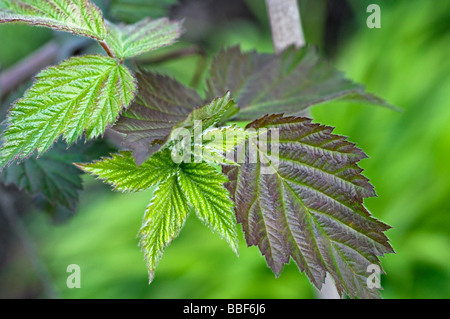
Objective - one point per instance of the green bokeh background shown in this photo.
(406, 62)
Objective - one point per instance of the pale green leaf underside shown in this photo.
(210, 114)
(180, 188)
(213, 156)
(224, 138)
(204, 117)
(76, 16)
(287, 83)
(198, 120)
(143, 36)
(82, 94)
(218, 144)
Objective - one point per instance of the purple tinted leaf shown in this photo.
(288, 83)
(310, 207)
(160, 104)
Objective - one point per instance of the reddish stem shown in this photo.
(107, 49)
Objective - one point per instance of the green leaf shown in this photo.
(160, 104)
(203, 186)
(306, 202)
(192, 129)
(143, 36)
(76, 16)
(162, 107)
(121, 171)
(82, 94)
(286, 83)
(196, 122)
(51, 180)
(163, 220)
(217, 144)
(209, 114)
(180, 188)
(225, 138)
(53, 175)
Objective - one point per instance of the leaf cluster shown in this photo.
(295, 187)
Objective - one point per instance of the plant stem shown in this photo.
(28, 67)
(108, 50)
(285, 23)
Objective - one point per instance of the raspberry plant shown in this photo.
(310, 208)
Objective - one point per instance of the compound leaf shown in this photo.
(82, 94)
(143, 36)
(305, 201)
(286, 83)
(168, 209)
(76, 16)
(181, 187)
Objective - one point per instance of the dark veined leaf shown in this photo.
(181, 187)
(77, 16)
(82, 94)
(53, 175)
(286, 83)
(305, 201)
(143, 36)
(162, 106)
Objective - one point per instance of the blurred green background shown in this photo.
(406, 62)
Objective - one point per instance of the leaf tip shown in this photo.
(151, 275)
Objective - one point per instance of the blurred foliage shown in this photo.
(12, 50)
(130, 11)
(406, 62)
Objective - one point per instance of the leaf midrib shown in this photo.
(308, 209)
